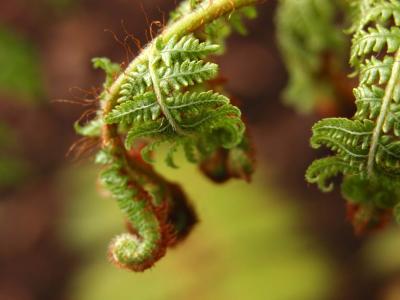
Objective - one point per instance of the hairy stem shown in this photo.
(387, 98)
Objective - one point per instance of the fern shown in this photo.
(367, 146)
(163, 97)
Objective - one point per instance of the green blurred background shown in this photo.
(274, 239)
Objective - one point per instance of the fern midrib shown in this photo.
(346, 130)
(157, 90)
(387, 98)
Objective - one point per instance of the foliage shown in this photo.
(367, 149)
(164, 97)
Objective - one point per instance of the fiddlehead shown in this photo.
(367, 146)
(164, 97)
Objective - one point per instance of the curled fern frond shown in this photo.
(159, 111)
(367, 148)
(163, 97)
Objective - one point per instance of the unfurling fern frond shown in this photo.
(160, 111)
(163, 97)
(367, 148)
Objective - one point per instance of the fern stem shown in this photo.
(394, 79)
(157, 91)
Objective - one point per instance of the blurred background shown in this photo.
(276, 238)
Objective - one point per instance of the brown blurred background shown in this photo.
(45, 52)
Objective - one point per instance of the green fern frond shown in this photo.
(163, 97)
(370, 142)
(128, 250)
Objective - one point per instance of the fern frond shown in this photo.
(163, 98)
(135, 252)
(370, 142)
